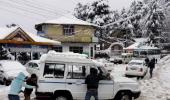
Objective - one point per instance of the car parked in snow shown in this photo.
(107, 64)
(32, 66)
(116, 60)
(136, 68)
(63, 78)
(9, 70)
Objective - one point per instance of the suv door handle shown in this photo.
(70, 83)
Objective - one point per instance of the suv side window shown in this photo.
(76, 72)
(54, 70)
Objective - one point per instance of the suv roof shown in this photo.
(65, 57)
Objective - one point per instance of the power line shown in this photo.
(33, 6)
(19, 7)
(48, 7)
(16, 13)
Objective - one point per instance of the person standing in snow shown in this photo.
(147, 61)
(92, 81)
(16, 87)
(151, 67)
(30, 81)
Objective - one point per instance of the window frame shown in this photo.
(54, 69)
(78, 49)
(68, 30)
(72, 71)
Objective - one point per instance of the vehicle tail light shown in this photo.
(141, 69)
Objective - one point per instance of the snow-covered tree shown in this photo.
(98, 13)
(23, 57)
(155, 22)
(5, 54)
(82, 11)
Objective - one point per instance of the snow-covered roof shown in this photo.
(147, 47)
(137, 44)
(5, 31)
(133, 46)
(68, 20)
(37, 38)
(65, 57)
(141, 40)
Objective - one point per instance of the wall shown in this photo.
(82, 33)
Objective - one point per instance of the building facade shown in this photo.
(75, 35)
(18, 41)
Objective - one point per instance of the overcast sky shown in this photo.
(27, 13)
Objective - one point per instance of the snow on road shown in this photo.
(158, 87)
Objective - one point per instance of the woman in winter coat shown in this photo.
(16, 87)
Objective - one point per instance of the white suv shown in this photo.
(62, 76)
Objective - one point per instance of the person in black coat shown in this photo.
(147, 61)
(92, 81)
(151, 66)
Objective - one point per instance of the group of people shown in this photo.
(92, 81)
(22, 81)
(151, 65)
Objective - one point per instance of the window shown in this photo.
(68, 30)
(76, 49)
(32, 65)
(76, 72)
(91, 50)
(58, 49)
(54, 70)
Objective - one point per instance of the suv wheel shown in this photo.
(124, 96)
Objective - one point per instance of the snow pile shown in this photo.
(157, 88)
(68, 20)
(64, 56)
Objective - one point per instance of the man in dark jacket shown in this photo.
(92, 82)
(147, 61)
(30, 81)
(151, 66)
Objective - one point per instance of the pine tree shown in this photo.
(155, 22)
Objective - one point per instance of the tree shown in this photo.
(23, 57)
(155, 22)
(82, 11)
(5, 54)
(98, 13)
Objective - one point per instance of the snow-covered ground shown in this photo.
(156, 88)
